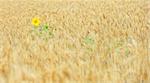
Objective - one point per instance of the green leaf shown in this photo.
(45, 27)
(88, 40)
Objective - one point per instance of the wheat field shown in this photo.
(91, 41)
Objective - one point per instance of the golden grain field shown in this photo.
(89, 41)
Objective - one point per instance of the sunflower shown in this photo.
(36, 22)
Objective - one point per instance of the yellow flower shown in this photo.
(36, 22)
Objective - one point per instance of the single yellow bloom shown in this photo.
(36, 22)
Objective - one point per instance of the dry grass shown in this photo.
(118, 52)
